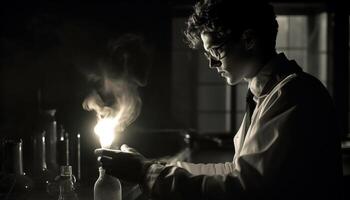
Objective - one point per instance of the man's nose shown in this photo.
(214, 64)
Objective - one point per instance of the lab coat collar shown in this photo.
(259, 83)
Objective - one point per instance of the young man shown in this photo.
(287, 146)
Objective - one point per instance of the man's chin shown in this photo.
(230, 81)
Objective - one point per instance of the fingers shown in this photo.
(109, 156)
(126, 148)
(106, 152)
(111, 152)
(105, 161)
(104, 158)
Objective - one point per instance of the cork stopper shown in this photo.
(66, 170)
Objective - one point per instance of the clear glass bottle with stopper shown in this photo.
(63, 186)
(107, 187)
(66, 185)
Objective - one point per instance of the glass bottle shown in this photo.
(41, 174)
(49, 124)
(46, 122)
(107, 187)
(14, 180)
(61, 146)
(66, 184)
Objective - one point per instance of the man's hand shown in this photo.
(126, 164)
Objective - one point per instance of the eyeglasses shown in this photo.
(216, 53)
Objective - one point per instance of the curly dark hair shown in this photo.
(228, 18)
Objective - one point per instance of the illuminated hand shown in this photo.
(126, 164)
(126, 148)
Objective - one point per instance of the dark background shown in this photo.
(46, 46)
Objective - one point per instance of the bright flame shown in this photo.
(113, 119)
(105, 129)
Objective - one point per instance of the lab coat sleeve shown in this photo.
(207, 169)
(171, 182)
(259, 169)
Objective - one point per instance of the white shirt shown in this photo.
(276, 156)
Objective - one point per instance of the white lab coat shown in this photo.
(289, 151)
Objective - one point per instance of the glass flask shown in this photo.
(107, 187)
(15, 184)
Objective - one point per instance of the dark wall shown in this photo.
(46, 47)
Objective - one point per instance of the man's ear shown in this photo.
(249, 39)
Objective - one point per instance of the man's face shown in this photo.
(226, 56)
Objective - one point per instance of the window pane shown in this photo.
(212, 98)
(323, 63)
(300, 56)
(322, 24)
(213, 122)
(282, 35)
(298, 31)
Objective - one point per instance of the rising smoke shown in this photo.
(118, 77)
(126, 102)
